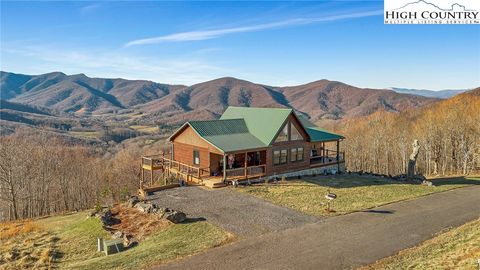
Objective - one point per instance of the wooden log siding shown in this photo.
(184, 153)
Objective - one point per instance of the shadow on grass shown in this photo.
(351, 181)
(193, 220)
(378, 211)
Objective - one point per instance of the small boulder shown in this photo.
(427, 183)
(132, 201)
(117, 235)
(176, 216)
(145, 207)
(127, 240)
(106, 217)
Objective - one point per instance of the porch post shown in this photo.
(143, 175)
(323, 152)
(151, 177)
(338, 155)
(245, 164)
(224, 167)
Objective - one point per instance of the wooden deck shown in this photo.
(190, 174)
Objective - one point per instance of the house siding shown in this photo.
(287, 145)
(184, 153)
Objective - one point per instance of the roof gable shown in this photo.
(248, 128)
(263, 123)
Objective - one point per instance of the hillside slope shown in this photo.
(156, 102)
(336, 100)
(79, 93)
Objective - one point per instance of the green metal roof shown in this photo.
(228, 135)
(263, 123)
(251, 128)
(318, 134)
(219, 127)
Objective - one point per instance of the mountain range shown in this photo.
(83, 96)
(443, 94)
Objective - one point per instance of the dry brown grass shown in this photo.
(25, 246)
(12, 229)
(136, 223)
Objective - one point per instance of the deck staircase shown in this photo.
(213, 182)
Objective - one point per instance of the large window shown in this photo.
(283, 156)
(296, 154)
(294, 133)
(279, 157)
(283, 135)
(276, 157)
(289, 133)
(293, 154)
(196, 157)
(300, 154)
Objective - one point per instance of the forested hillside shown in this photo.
(448, 132)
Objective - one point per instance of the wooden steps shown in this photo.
(213, 183)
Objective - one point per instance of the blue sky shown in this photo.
(275, 43)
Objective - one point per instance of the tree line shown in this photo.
(41, 174)
(448, 133)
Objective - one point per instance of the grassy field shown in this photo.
(87, 134)
(354, 192)
(458, 248)
(145, 129)
(69, 242)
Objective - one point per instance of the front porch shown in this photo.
(222, 169)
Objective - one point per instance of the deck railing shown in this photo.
(156, 161)
(237, 172)
(250, 171)
(329, 157)
(256, 170)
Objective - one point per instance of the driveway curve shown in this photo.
(241, 214)
(347, 241)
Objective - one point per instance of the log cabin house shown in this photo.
(247, 143)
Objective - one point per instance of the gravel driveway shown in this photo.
(238, 213)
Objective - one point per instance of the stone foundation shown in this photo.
(311, 171)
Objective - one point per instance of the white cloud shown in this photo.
(111, 64)
(209, 34)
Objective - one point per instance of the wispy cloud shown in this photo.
(210, 34)
(178, 70)
(90, 8)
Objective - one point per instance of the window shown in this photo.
(196, 157)
(300, 153)
(293, 154)
(283, 135)
(294, 133)
(296, 154)
(279, 157)
(276, 157)
(283, 156)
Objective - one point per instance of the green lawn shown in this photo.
(77, 237)
(458, 248)
(354, 192)
(173, 242)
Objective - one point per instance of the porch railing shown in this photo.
(237, 172)
(256, 170)
(330, 156)
(249, 171)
